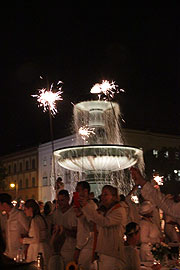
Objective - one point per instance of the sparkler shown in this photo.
(158, 179)
(85, 132)
(106, 88)
(47, 99)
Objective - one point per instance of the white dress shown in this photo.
(149, 234)
(37, 240)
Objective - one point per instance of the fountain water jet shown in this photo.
(102, 157)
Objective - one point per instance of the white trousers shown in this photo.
(85, 259)
(109, 263)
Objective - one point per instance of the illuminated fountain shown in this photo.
(100, 155)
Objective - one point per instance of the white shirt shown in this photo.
(17, 224)
(68, 220)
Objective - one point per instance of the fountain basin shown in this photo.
(93, 158)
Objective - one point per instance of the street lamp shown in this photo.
(14, 185)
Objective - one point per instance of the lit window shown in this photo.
(44, 162)
(45, 181)
(155, 153)
(176, 155)
(166, 154)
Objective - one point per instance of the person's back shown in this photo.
(16, 225)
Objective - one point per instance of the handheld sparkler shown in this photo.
(47, 99)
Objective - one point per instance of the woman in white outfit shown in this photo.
(149, 233)
(38, 233)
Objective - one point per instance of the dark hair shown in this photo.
(59, 179)
(131, 228)
(34, 205)
(113, 190)
(5, 198)
(84, 185)
(47, 208)
(35, 208)
(122, 197)
(64, 192)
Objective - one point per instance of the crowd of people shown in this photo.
(108, 232)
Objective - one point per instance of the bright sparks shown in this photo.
(85, 132)
(159, 180)
(47, 98)
(106, 88)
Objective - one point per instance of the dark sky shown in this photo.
(138, 48)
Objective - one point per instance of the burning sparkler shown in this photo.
(108, 89)
(158, 179)
(85, 132)
(47, 98)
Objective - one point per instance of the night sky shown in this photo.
(138, 48)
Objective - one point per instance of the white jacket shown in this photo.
(170, 207)
(17, 224)
(111, 229)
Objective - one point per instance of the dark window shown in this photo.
(33, 182)
(33, 163)
(20, 166)
(27, 182)
(27, 165)
(14, 168)
(9, 169)
(20, 184)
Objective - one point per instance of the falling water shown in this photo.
(104, 118)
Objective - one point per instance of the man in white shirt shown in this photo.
(86, 231)
(17, 224)
(159, 199)
(65, 216)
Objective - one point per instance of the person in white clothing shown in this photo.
(132, 254)
(149, 232)
(159, 199)
(65, 216)
(38, 233)
(111, 227)
(15, 224)
(86, 231)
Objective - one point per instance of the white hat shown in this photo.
(145, 208)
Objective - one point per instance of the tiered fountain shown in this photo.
(101, 157)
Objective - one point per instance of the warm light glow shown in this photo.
(108, 89)
(47, 98)
(158, 179)
(85, 132)
(14, 202)
(12, 185)
(135, 199)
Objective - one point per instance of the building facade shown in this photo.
(32, 171)
(21, 170)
